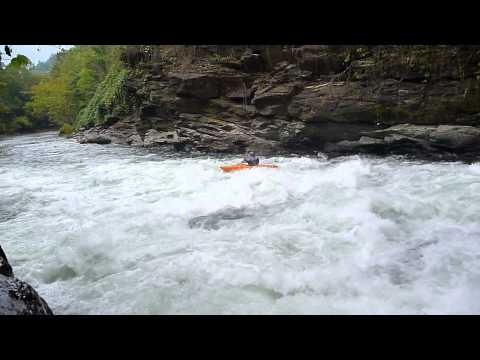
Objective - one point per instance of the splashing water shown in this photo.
(117, 230)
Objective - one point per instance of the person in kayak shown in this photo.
(251, 159)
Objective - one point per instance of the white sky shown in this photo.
(35, 53)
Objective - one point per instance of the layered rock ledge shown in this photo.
(417, 100)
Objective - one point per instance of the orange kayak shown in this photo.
(236, 167)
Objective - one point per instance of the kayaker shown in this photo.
(251, 159)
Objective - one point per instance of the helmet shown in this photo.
(251, 153)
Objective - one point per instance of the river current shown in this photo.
(109, 229)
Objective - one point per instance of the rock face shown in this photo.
(5, 268)
(335, 99)
(16, 296)
(447, 141)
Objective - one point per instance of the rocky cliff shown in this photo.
(421, 100)
(16, 296)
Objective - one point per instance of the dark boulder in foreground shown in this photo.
(5, 268)
(16, 296)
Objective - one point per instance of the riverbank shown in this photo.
(422, 101)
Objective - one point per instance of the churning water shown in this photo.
(117, 230)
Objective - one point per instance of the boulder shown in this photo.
(423, 141)
(19, 298)
(451, 137)
(95, 139)
(456, 137)
(5, 268)
(16, 296)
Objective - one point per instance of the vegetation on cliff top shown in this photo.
(15, 93)
(108, 99)
(85, 85)
(73, 82)
(75, 87)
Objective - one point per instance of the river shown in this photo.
(118, 230)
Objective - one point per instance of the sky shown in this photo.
(35, 53)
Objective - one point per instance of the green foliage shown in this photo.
(73, 81)
(109, 99)
(15, 85)
(19, 61)
(58, 90)
(65, 129)
(70, 85)
(54, 99)
(23, 122)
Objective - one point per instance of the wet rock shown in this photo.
(215, 220)
(16, 296)
(452, 137)
(95, 139)
(135, 140)
(435, 142)
(5, 268)
(19, 298)
(456, 137)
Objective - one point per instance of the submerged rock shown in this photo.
(16, 296)
(213, 221)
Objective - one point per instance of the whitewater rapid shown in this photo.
(119, 230)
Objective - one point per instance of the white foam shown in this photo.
(105, 230)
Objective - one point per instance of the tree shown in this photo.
(15, 83)
(18, 61)
(72, 82)
(53, 98)
(64, 90)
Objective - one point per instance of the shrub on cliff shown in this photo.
(109, 99)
